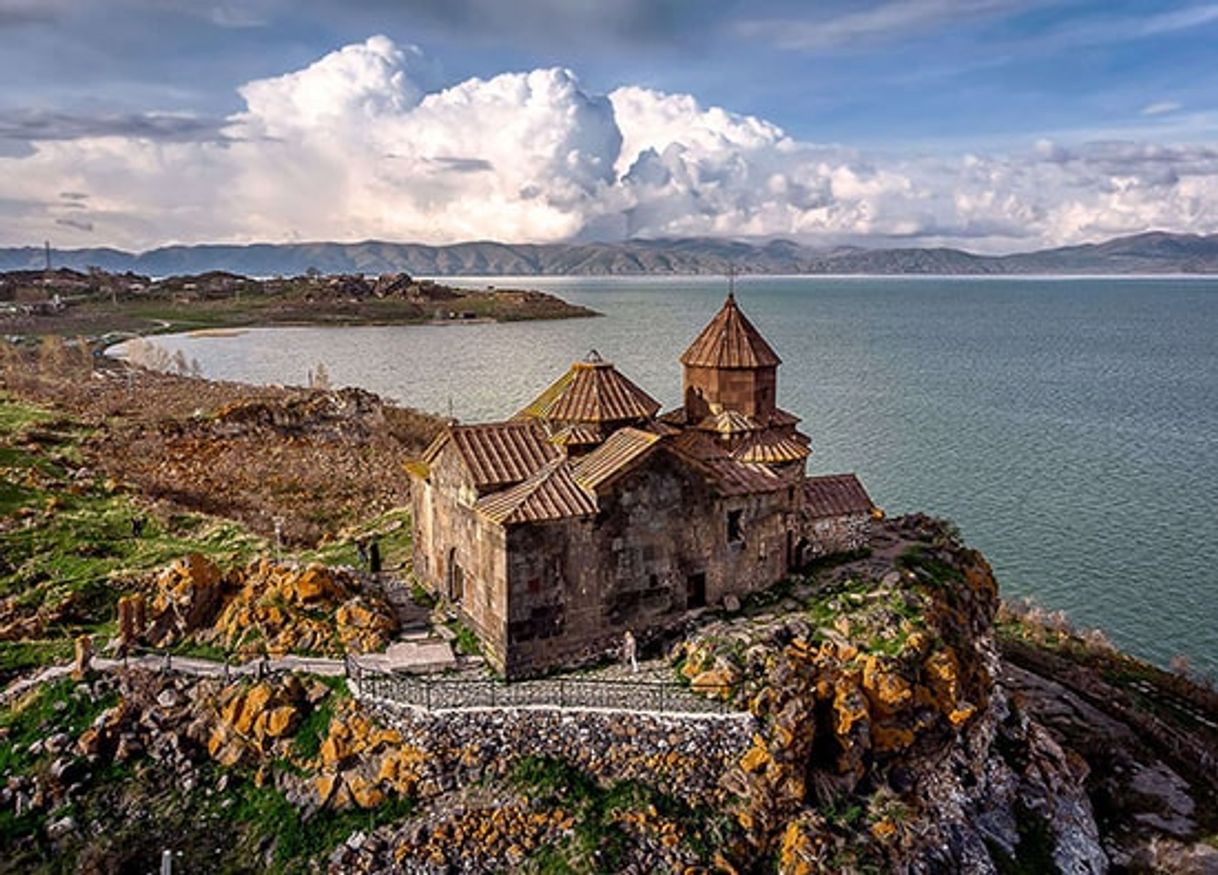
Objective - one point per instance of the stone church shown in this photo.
(589, 513)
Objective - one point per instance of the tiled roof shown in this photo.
(783, 417)
(743, 478)
(575, 436)
(699, 445)
(592, 391)
(729, 476)
(618, 451)
(498, 454)
(728, 422)
(730, 341)
(835, 495)
(550, 494)
(772, 446)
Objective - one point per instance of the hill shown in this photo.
(1150, 253)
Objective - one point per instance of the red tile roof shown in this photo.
(550, 494)
(730, 341)
(617, 453)
(498, 454)
(835, 495)
(592, 391)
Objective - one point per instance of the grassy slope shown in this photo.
(70, 541)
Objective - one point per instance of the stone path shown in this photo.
(408, 656)
(387, 678)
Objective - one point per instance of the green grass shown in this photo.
(19, 656)
(264, 811)
(59, 706)
(599, 842)
(75, 546)
(392, 531)
(466, 643)
(307, 741)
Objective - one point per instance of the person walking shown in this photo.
(630, 654)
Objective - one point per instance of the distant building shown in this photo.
(589, 514)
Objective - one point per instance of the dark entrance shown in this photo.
(456, 578)
(695, 590)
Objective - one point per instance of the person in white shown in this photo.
(630, 651)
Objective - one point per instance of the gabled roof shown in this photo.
(835, 495)
(730, 341)
(616, 454)
(497, 454)
(592, 391)
(550, 494)
(772, 446)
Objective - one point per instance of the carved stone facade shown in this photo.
(588, 515)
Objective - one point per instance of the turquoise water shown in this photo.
(1068, 426)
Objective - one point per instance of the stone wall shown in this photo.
(660, 545)
(460, 555)
(683, 756)
(827, 536)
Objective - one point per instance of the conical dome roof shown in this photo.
(730, 341)
(592, 391)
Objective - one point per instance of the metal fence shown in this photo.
(438, 695)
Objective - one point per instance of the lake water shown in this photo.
(1068, 426)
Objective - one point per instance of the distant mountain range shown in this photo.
(1150, 253)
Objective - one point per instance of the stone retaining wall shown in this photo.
(681, 757)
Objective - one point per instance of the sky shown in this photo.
(990, 125)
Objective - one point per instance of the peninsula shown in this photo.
(94, 303)
(226, 636)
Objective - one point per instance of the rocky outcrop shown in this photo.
(267, 606)
(885, 740)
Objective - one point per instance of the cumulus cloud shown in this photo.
(355, 146)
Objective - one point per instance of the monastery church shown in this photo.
(590, 513)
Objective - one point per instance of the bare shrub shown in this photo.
(53, 356)
(319, 378)
(1181, 665)
(151, 356)
(1097, 639)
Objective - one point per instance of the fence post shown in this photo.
(562, 693)
(663, 691)
(427, 691)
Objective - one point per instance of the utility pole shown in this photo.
(47, 246)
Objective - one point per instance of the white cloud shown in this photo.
(355, 147)
(1160, 107)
